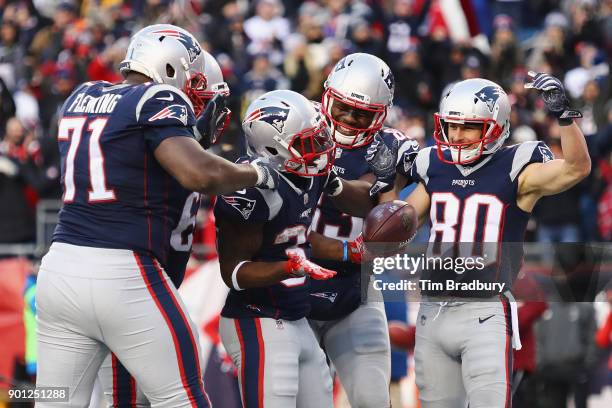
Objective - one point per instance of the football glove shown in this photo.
(553, 94)
(267, 177)
(355, 250)
(211, 124)
(334, 184)
(382, 160)
(297, 266)
(406, 155)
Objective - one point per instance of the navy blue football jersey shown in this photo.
(339, 296)
(286, 214)
(116, 195)
(181, 240)
(474, 213)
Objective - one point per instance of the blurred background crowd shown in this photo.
(47, 47)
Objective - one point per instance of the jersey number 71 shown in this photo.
(71, 129)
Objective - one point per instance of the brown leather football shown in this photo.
(393, 222)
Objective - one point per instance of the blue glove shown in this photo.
(553, 94)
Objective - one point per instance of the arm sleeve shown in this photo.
(164, 112)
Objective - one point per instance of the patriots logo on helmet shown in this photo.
(176, 111)
(272, 115)
(389, 80)
(192, 47)
(488, 95)
(243, 205)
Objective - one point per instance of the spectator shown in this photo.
(12, 67)
(267, 29)
(262, 77)
(7, 106)
(564, 342)
(505, 51)
(17, 215)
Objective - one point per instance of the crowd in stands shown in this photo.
(47, 47)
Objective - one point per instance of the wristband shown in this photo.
(235, 276)
(345, 256)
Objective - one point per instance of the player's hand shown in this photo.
(267, 176)
(356, 250)
(211, 124)
(297, 266)
(334, 184)
(553, 94)
(382, 160)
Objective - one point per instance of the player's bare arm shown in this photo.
(421, 202)
(238, 243)
(555, 176)
(352, 197)
(200, 171)
(336, 250)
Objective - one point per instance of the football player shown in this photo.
(353, 333)
(479, 195)
(119, 386)
(263, 253)
(129, 162)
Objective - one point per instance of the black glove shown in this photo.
(211, 124)
(334, 184)
(382, 160)
(267, 176)
(553, 93)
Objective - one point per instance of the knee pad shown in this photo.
(369, 389)
(284, 373)
(369, 332)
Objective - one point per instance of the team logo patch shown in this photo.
(331, 296)
(243, 205)
(176, 111)
(547, 155)
(389, 80)
(272, 115)
(488, 95)
(190, 44)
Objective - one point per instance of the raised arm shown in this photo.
(555, 176)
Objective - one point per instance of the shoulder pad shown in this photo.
(419, 170)
(249, 205)
(529, 152)
(164, 105)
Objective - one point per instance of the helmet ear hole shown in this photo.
(272, 150)
(170, 71)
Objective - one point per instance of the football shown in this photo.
(393, 224)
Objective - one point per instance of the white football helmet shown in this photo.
(473, 101)
(214, 78)
(362, 81)
(288, 129)
(168, 55)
